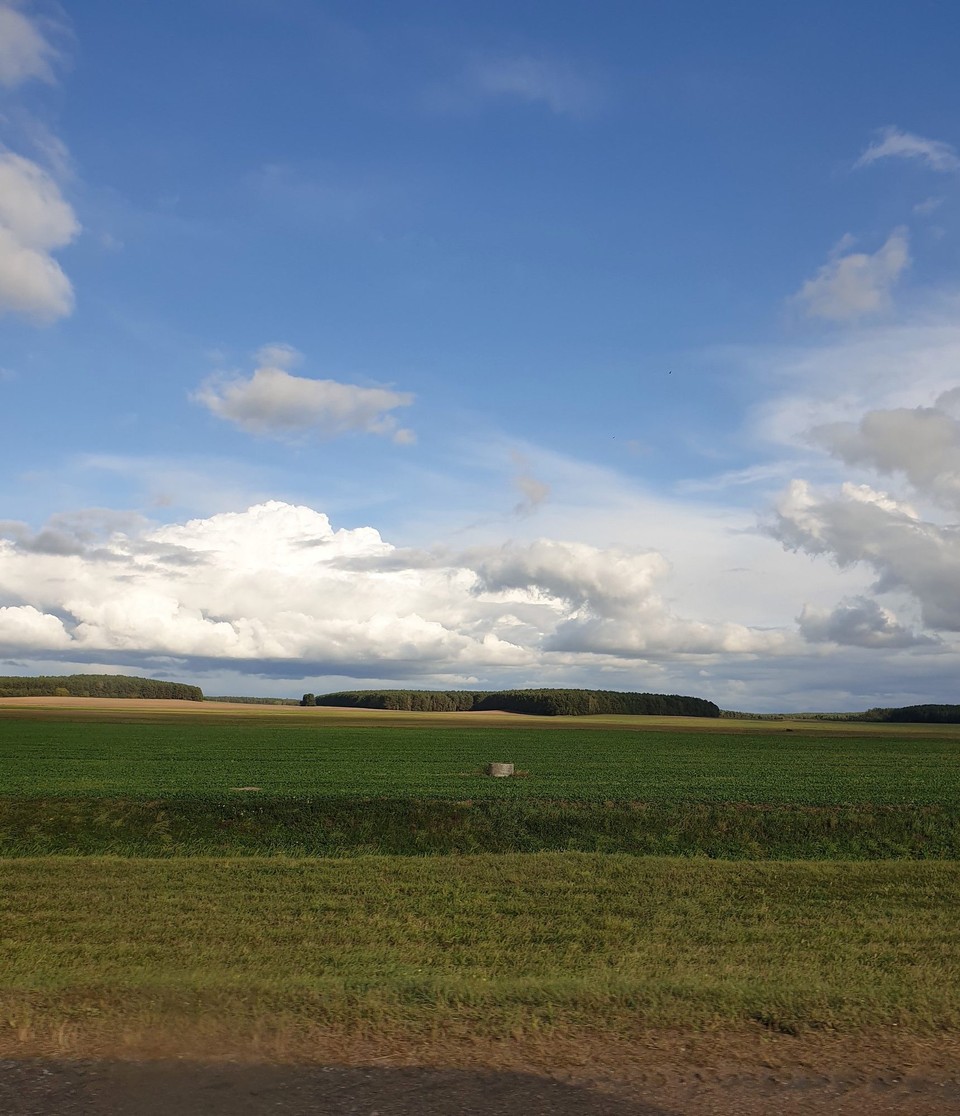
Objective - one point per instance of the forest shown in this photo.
(917, 714)
(541, 702)
(97, 685)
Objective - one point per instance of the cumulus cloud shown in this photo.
(856, 284)
(278, 584)
(537, 80)
(24, 51)
(859, 524)
(908, 550)
(275, 403)
(858, 622)
(77, 532)
(34, 221)
(896, 144)
(24, 628)
(921, 443)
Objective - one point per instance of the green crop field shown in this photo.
(195, 757)
(250, 786)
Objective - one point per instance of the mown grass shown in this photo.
(196, 757)
(505, 944)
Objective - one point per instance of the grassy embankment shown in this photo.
(96, 948)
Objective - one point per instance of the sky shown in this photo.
(347, 345)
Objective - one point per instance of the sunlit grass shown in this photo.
(547, 940)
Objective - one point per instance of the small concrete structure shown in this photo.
(499, 770)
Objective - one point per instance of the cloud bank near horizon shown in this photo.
(278, 583)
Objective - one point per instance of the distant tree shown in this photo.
(308, 699)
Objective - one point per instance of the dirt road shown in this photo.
(179, 1088)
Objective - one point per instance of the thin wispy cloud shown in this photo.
(896, 144)
(533, 490)
(25, 52)
(537, 80)
(928, 206)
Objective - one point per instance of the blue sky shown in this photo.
(472, 345)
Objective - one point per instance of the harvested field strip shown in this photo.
(202, 758)
(512, 944)
(213, 711)
(248, 823)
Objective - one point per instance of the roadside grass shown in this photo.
(252, 824)
(518, 944)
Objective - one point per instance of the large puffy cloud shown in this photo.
(25, 628)
(277, 584)
(900, 537)
(278, 404)
(921, 443)
(857, 284)
(861, 525)
(34, 221)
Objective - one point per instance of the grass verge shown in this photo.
(548, 944)
(253, 824)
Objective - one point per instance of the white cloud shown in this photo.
(537, 80)
(869, 367)
(852, 286)
(277, 584)
(24, 52)
(274, 403)
(34, 220)
(24, 628)
(896, 144)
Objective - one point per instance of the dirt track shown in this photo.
(180, 1088)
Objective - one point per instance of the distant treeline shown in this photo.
(907, 714)
(548, 703)
(918, 714)
(255, 700)
(97, 685)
